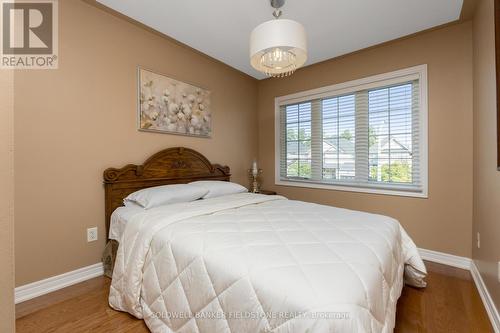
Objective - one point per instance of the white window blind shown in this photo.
(367, 135)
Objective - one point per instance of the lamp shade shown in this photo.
(278, 47)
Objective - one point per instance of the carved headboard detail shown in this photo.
(170, 166)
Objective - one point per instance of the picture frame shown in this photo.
(170, 106)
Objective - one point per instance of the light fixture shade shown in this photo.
(285, 40)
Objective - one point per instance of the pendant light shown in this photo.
(278, 47)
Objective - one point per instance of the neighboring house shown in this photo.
(338, 159)
(389, 151)
(339, 156)
(394, 147)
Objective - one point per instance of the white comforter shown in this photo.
(255, 263)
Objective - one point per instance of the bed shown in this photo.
(248, 262)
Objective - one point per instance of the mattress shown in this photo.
(119, 220)
(255, 263)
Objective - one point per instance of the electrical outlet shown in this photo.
(499, 271)
(92, 234)
(478, 239)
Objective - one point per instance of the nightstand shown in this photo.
(265, 192)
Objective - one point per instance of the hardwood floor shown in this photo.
(450, 303)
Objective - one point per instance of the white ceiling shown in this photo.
(221, 28)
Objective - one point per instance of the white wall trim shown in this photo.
(468, 264)
(45, 286)
(486, 298)
(446, 259)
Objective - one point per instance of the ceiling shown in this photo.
(221, 28)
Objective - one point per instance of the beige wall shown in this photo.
(443, 221)
(74, 122)
(6, 201)
(486, 177)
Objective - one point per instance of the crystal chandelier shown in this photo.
(278, 47)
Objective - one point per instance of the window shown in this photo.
(368, 135)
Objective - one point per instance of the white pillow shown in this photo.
(167, 194)
(217, 188)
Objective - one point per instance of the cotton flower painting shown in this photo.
(171, 106)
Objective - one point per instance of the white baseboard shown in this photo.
(42, 287)
(468, 264)
(446, 259)
(486, 297)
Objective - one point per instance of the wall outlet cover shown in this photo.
(499, 271)
(92, 234)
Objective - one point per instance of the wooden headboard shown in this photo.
(170, 166)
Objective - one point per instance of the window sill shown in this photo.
(347, 188)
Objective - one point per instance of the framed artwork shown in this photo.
(167, 105)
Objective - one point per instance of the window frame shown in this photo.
(372, 82)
